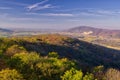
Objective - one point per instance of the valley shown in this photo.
(73, 50)
(59, 39)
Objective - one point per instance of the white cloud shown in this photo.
(107, 12)
(58, 14)
(47, 6)
(16, 3)
(92, 11)
(4, 15)
(52, 14)
(88, 14)
(38, 5)
(20, 19)
(103, 12)
(5, 8)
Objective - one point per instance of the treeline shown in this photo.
(22, 59)
(31, 66)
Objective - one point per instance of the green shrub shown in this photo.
(72, 74)
(8, 74)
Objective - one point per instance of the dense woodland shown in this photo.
(56, 57)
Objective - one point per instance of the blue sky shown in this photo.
(59, 14)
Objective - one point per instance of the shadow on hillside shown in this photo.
(86, 54)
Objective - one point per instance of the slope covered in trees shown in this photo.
(56, 57)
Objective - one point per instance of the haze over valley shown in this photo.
(59, 40)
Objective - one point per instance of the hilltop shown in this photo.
(5, 30)
(86, 30)
(57, 55)
(85, 53)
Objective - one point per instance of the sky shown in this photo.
(59, 14)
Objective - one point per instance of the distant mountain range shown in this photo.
(82, 30)
(5, 30)
(86, 30)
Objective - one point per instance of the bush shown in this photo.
(112, 74)
(8, 74)
(24, 63)
(53, 68)
(14, 49)
(27, 58)
(53, 54)
(72, 74)
(89, 77)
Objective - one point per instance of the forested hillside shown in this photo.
(56, 57)
(87, 30)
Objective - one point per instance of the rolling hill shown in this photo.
(85, 53)
(55, 54)
(86, 30)
(5, 30)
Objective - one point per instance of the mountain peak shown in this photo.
(5, 30)
(95, 31)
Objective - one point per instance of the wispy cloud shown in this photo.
(89, 14)
(40, 6)
(47, 6)
(5, 8)
(101, 13)
(4, 15)
(36, 5)
(8, 17)
(58, 14)
(53, 14)
(74, 9)
(108, 12)
(92, 11)
(15, 3)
